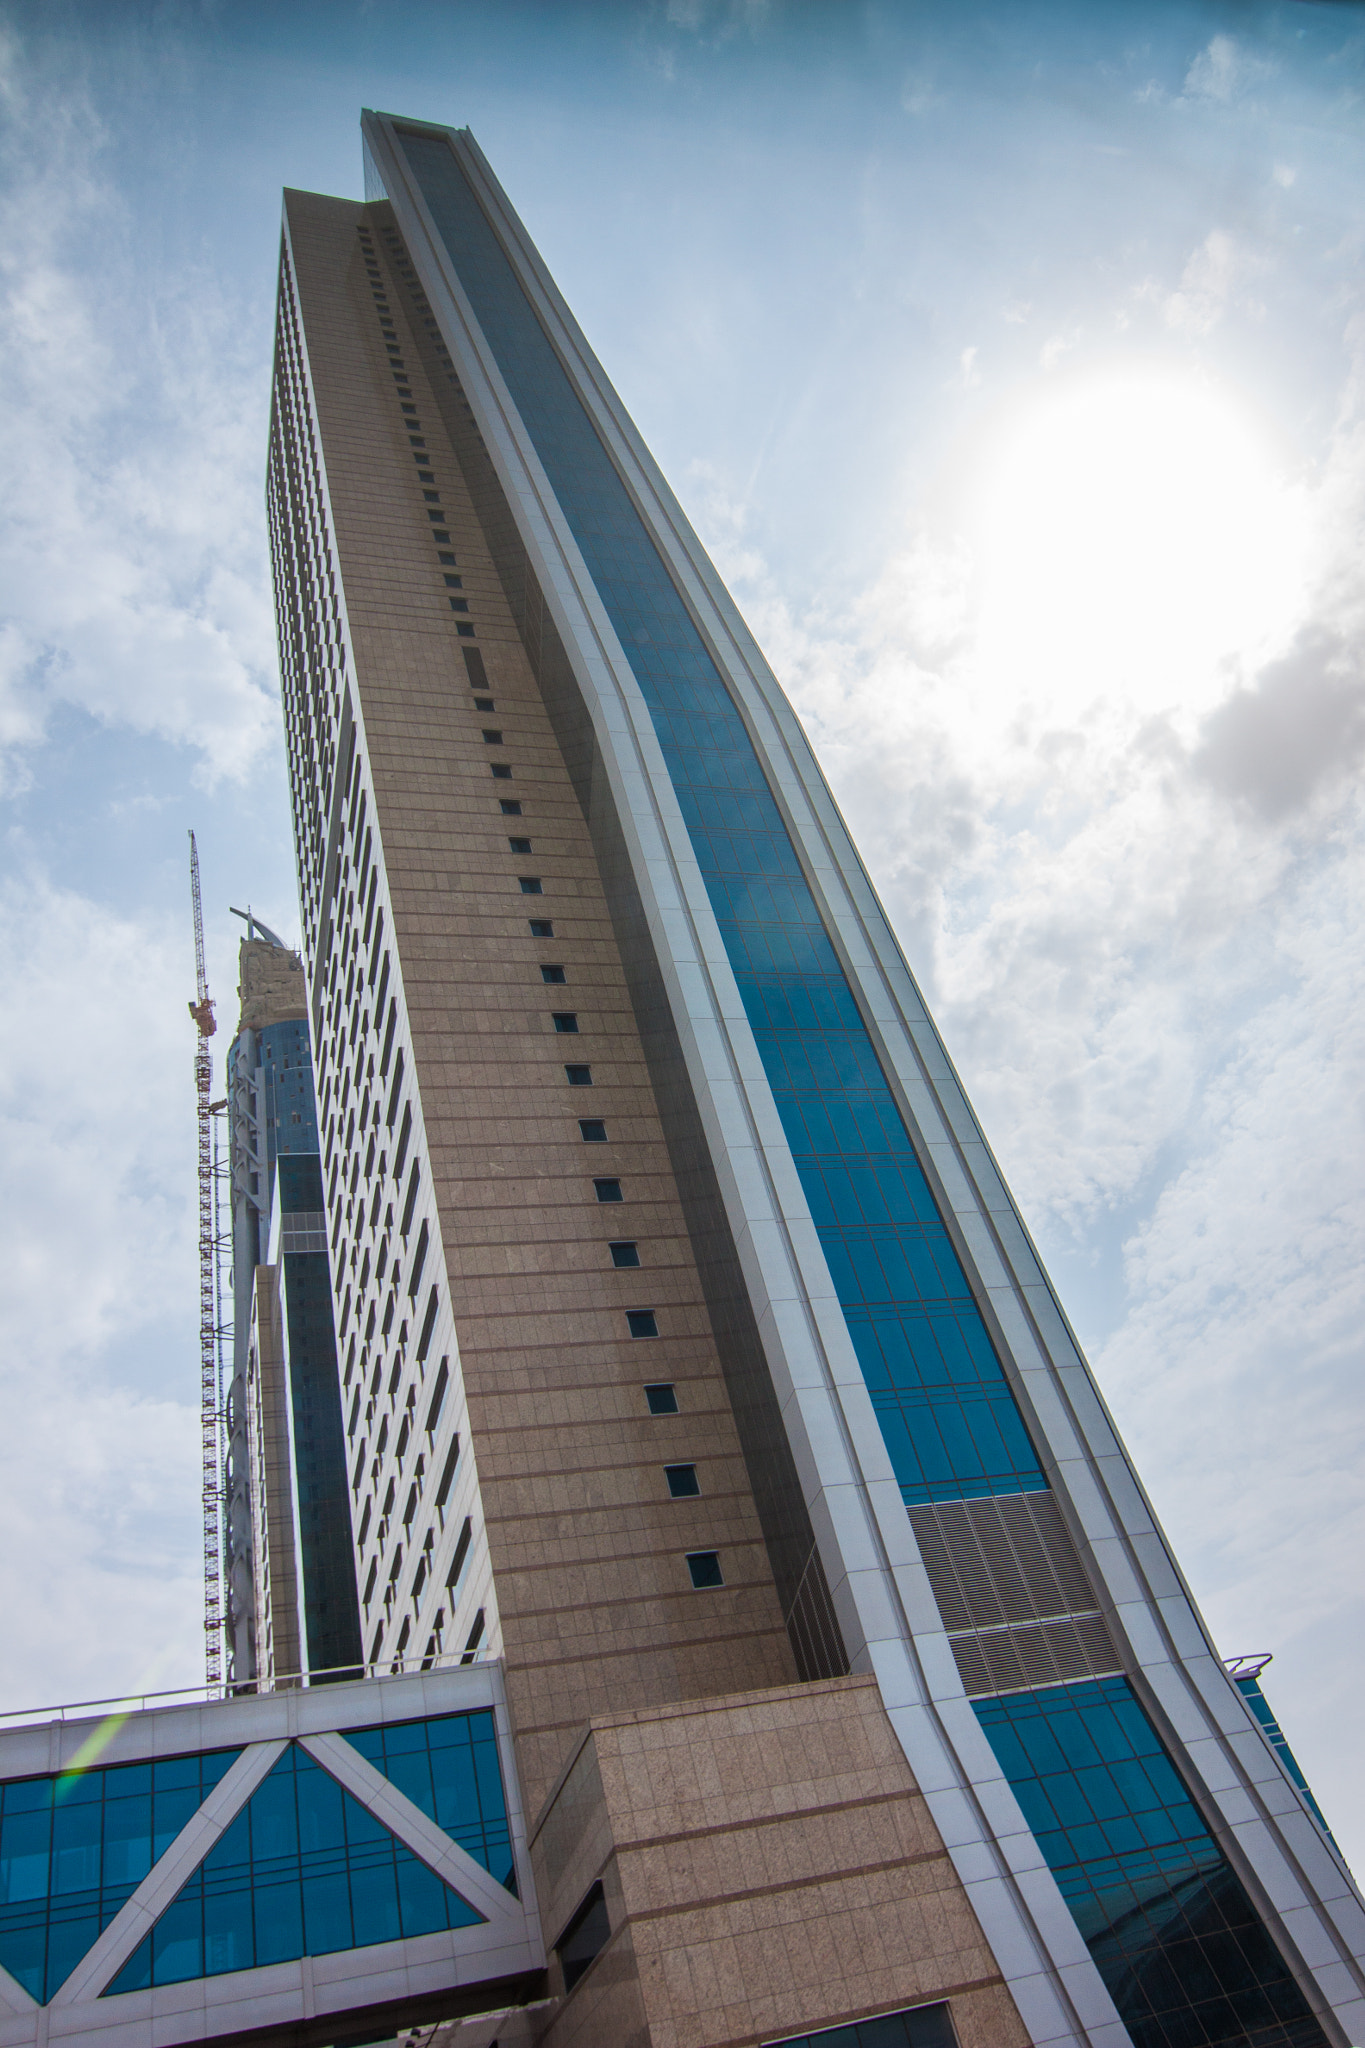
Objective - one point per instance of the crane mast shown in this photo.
(201, 1010)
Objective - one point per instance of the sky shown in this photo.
(1010, 360)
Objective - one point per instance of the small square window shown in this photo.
(444, 555)
(454, 582)
(592, 1130)
(465, 631)
(541, 928)
(501, 772)
(530, 885)
(555, 974)
(410, 408)
(428, 476)
(643, 1321)
(704, 1566)
(625, 1254)
(510, 807)
(519, 845)
(418, 440)
(565, 1021)
(682, 1482)
(483, 704)
(581, 1077)
(608, 1190)
(440, 536)
(459, 604)
(662, 1399)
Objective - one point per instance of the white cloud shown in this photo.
(1206, 284)
(1225, 71)
(131, 526)
(98, 1458)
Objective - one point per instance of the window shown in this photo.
(566, 1021)
(541, 928)
(530, 885)
(461, 1553)
(608, 1190)
(478, 675)
(580, 1077)
(442, 556)
(483, 704)
(550, 973)
(585, 1937)
(662, 1398)
(625, 1253)
(501, 772)
(448, 1473)
(682, 1482)
(519, 845)
(642, 1321)
(471, 1648)
(468, 631)
(704, 1566)
(438, 1397)
(491, 738)
(459, 604)
(457, 583)
(924, 2026)
(440, 536)
(426, 476)
(592, 1130)
(510, 807)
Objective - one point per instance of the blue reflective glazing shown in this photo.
(927, 2026)
(1172, 1931)
(449, 1767)
(73, 1848)
(1250, 1690)
(304, 1869)
(951, 1424)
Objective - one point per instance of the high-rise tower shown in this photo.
(695, 1361)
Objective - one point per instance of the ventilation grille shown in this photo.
(816, 1639)
(1013, 1593)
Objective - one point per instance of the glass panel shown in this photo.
(1171, 1929)
(928, 2026)
(1250, 1689)
(912, 1319)
(303, 1870)
(74, 1848)
(449, 1768)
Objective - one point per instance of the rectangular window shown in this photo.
(566, 1021)
(491, 738)
(578, 1077)
(454, 582)
(467, 631)
(432, 497)
(585, 1937)
(662, 1399)
(438, 535)
(458, 604)
(448, 1473)
(428, 1324)
(519, 845)
(406, 1225)
(923, 2026)
(461, 1553)
(551, 973)
(510, 807)
(419, 1258)
(484, 704)
(592, 1130)
(541, 928)
(501, 772)
(704, 1568)
(608, 1190)
(478, 675)
(438, 1397)
(471, 1648)
(403, 1136)
(625, 1253)
(642, 1321)
(443, 556)
(530, 885)
(682, 1482)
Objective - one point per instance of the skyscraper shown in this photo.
(288, 1555)
(695, 1361)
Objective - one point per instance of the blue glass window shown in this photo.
(74, 1848)
(449, 1767)
(304, 1870)
(1250, 1689)
(1172, 1931)
(951, 1424)
(927, 2026)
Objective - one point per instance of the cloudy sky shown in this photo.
(1010, 358)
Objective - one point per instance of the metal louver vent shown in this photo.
(1013, 1593)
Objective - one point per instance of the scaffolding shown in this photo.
(210, 1318)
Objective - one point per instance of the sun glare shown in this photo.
(1136, 544)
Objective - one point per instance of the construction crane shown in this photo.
(201, 1010)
